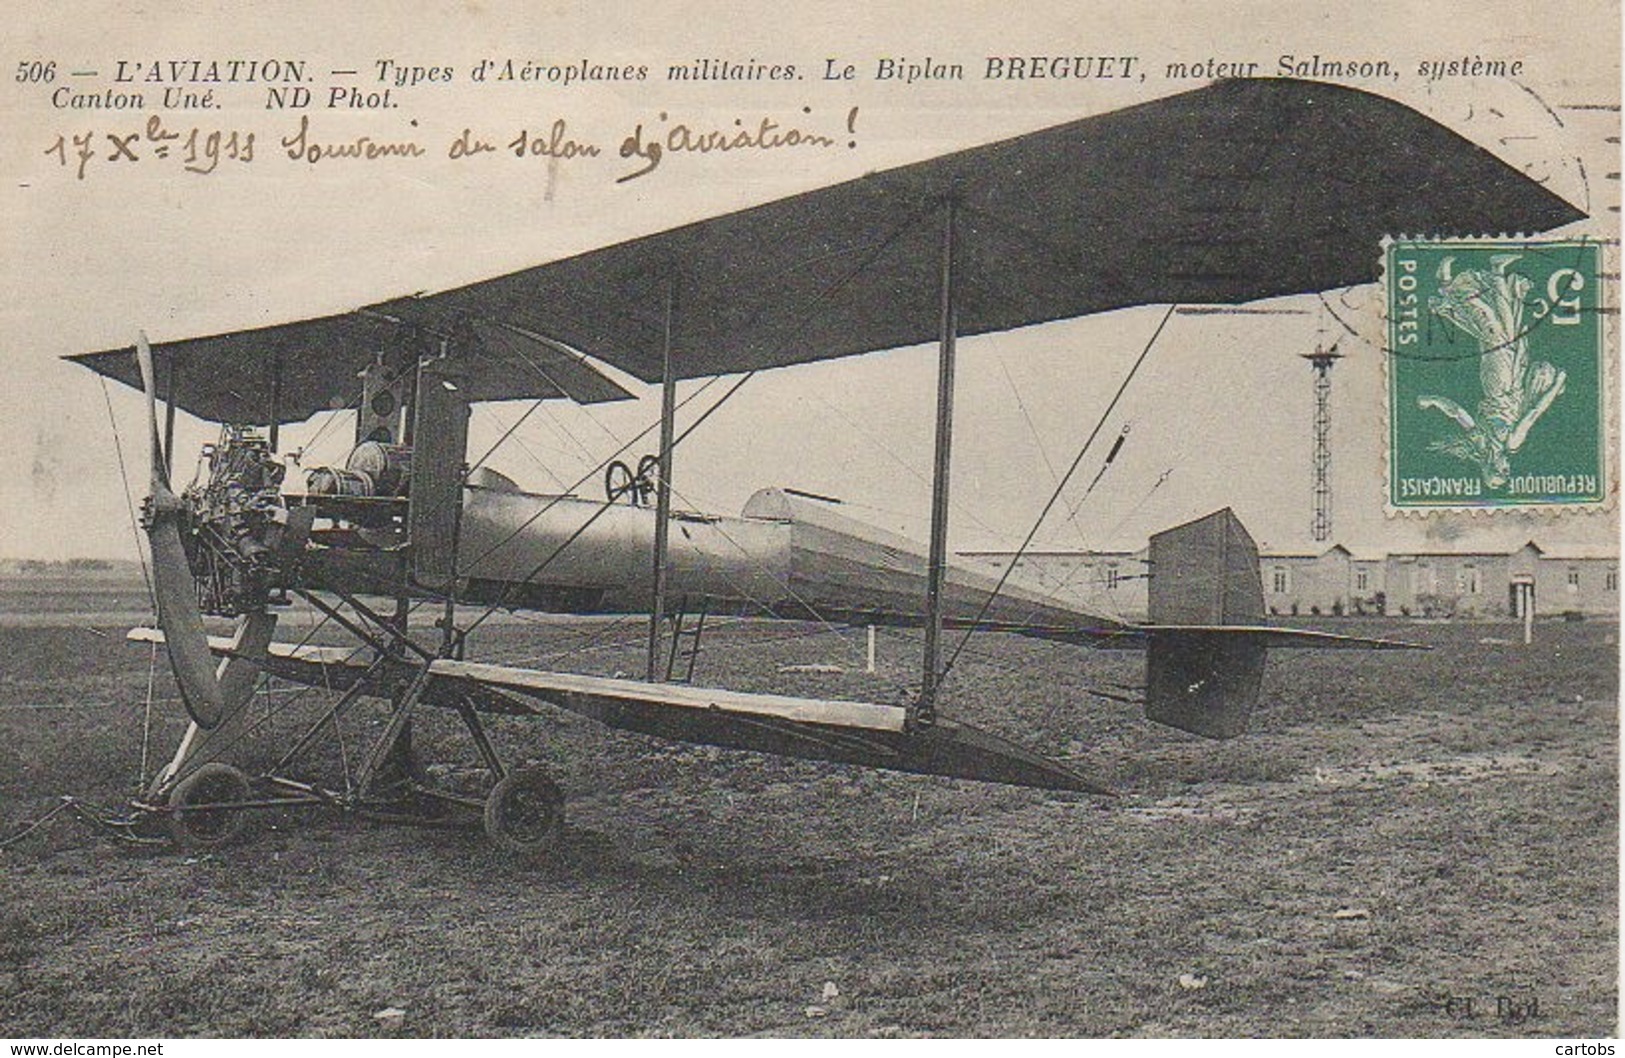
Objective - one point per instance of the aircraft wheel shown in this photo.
(194, 825)
(524, 812)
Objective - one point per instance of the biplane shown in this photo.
(1237, 191)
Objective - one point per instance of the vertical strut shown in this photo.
(925, 710)
(668, 416)
(449, 646)
(276, 401)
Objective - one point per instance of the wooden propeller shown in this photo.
(178, 613)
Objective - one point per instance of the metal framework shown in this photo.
(1322, 360)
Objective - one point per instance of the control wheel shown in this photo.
(619, 481)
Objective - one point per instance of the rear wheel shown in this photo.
(192, 822)
(524, 813)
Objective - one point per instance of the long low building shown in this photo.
(1556, 581)
(1110, 583)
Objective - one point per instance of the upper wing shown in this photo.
(293, 370)
(1240, 190)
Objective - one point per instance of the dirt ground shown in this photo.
(1418, 844)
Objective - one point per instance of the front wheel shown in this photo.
(524, 813)
(193, 823)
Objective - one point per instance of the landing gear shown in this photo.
(524, 813)
(194, 822)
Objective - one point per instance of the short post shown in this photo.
(870, 668)
(1527, 596)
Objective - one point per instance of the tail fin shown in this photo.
(1204, 680)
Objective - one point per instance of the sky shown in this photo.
(1220, 414)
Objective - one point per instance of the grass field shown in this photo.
(1398, 831)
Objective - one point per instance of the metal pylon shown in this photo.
(1322, 360)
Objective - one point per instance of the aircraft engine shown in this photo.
(235, 524)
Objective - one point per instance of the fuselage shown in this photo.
(786, 554)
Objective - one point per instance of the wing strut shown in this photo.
(276, 400)
(668, 417)
(925, 710)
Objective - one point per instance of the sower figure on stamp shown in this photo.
(1489, 306)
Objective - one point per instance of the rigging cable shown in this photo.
(129, 504)
(1107, 465)
(1038, 442)
(1067, 581)
(955, 506)
(146, 577)
(1132, 511)
(468, 473)
(528, 522)
(1056, 495)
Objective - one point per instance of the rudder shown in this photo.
(1203, 679)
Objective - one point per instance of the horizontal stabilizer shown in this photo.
(1287, 638)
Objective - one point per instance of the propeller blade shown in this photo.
(149, 383)
(173, 586)
(239, 672)
(179, 617)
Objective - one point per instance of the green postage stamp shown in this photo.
(1496, 382)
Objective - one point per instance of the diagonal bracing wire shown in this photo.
(1055, 496)
(124, 474)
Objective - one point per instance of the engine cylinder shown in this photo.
(388, 466)
(334, 481)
